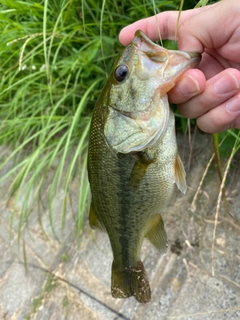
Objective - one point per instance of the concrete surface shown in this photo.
(70, 279)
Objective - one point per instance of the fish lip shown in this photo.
(192, 61)
(140, 35)
(142, 42)
(194, 54)
(196, 57)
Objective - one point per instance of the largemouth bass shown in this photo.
(133, 161)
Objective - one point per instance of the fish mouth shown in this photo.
(145, 44)
(170, 63)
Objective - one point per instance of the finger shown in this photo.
(224, 117)
(218, 90)
(211, 66)
(192, 83)
(162, 25)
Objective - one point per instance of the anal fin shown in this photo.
(93, 220)
(157, 234)
(180, 175)
(131, 281)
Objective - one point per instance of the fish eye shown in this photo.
(121, 72)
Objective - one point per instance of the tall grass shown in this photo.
(55, 57)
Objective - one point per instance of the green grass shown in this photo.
(55, 58)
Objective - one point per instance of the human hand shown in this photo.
(211, 94)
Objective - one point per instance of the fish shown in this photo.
(133, 160)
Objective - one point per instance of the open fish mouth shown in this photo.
(174, 62)
(142, 42)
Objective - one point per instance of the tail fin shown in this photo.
(129, 282)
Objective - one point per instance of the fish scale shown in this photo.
(133, 163)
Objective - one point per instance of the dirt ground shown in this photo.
(70, 279)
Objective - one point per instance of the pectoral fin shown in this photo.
(180, 175)
(157, 235)
(93, 220)
(144, 159)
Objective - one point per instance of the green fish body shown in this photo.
(133, 162)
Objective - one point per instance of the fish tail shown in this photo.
(131, 281)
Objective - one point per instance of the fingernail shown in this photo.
(189, 88)
(226, 84)
(233, 105)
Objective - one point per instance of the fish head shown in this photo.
(138, 108)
